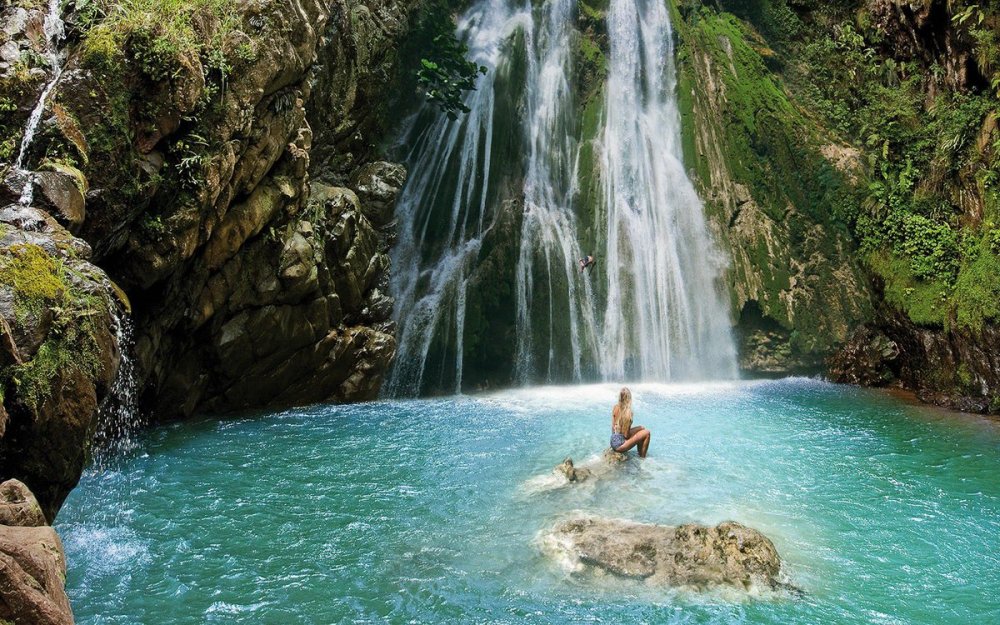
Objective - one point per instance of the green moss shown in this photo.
(925, 302)
(41, 283)
(33, 275)
(977, 289)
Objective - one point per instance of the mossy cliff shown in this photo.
(848, 157)
(770, 194)
(58, 352)
(219, 160)
(256, 271)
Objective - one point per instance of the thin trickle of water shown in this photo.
(654, 308)
(54, 32)
(118, 419)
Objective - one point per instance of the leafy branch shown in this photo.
(447, 74)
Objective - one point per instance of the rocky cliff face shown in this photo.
(257, 274)
(221, 169)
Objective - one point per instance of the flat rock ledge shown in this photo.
(32, 562)
(694, 557)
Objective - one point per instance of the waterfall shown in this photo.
(118, 418)
(546, 262)
(493, 218)
(445, 210)
(53, 28)
(664, 311)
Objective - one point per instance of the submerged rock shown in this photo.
(691, 556)
(32, 562)
(597, 468)
(572, 473)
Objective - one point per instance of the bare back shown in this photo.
(620, 424)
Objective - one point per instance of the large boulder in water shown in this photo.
(692, 556)
(32, 562)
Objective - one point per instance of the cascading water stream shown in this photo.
(54, 32)
(118, 419)
(501, 187)
(548, 243)
(445, 208)
(665, 317)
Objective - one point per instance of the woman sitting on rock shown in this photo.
(623, 435)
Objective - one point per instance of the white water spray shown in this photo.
(54, 32)
(118, 418)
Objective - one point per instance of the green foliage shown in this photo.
(189, 154)
(157, 33)
(435, 59)
(977, 289)
(923, 149)
(447, 74)
(981, 23)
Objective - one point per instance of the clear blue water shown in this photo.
(432, 510)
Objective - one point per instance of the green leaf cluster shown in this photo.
(446, 75)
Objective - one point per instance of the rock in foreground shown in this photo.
(690, 556)
(32, 563)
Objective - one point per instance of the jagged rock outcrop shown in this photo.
(689, 556)
(32, 562)
(59, 352)
(257, 272)
(958, 369)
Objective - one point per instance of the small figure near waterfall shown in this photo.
(623, 435)
(587, 261)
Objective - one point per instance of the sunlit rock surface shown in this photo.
(690, 556)
(32, 562)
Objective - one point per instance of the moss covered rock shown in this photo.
(61, 352)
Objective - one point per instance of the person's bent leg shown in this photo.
(631, 441)
(644, 445)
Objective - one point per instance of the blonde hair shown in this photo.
(623, 412)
